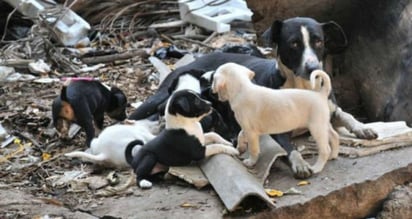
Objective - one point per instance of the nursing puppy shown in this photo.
(84, 102)
(109, 148)
(182, 141)
(260, 110)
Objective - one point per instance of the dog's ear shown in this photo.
(335, 38)
(118, 96)
(183, 104)
(218, 84)
(272, 34)
(250, 74)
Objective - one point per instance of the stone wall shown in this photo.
(372, 77)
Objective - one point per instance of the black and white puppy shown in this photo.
(109, 148)
(302, 45)
(84, 103)
(182, 141)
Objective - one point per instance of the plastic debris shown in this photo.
(214, 15)
(39, 67)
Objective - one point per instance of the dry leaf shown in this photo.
(187, 205)
(303, 183)
(274, 193)
(46, 156)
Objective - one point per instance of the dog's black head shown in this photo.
(188, 104)
(117, 105)
(303, 42)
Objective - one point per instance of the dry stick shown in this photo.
(197, 42)
(168, 39)
(7, 23)
(17, 62)
(207, 40)
(111, 58)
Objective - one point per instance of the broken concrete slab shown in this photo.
(347, 188)
(238, 182)
(191, 174)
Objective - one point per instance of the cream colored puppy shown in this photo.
(260, 110)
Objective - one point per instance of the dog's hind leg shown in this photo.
(213, 149)
(143, 168)
(99, 158)
(321, 136)
(334, 143)
(213, 137)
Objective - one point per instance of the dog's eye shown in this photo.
(295, 44)
(318, 43)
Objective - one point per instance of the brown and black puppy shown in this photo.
(85, 102)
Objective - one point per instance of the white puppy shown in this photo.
(260, 110)
(109, 148)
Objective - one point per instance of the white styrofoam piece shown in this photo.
(70, 28)
(215, 17)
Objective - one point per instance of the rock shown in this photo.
(398, 203)
(371, 78)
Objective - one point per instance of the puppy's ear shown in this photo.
(335, 38)
(250, 74)
(183, 104)
(218, 84)
(272, 34)
(118, 96)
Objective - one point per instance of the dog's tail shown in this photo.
(129, 149)
(324, 85)
(87, 157)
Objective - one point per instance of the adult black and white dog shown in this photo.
(301, 44)
(182, 141)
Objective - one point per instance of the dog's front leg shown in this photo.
(213, 149)
(241, 142)
(254, 149)
(213, 137)
(342, 118)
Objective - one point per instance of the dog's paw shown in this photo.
(365, 133)
(249, 162)
(145, 184)
(301, 169)
(231, 151)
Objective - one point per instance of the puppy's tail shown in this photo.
(323, 85)
(86, 156)
(129, 149)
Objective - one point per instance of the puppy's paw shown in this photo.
(365, 133)
(301, 169)
(249, 162)
(231, 151)
(145, 184)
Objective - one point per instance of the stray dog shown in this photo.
(301, 44)
(182, 141)
(83, 102)
(261, 110)
(109, 148)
